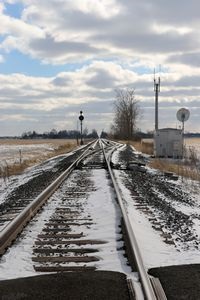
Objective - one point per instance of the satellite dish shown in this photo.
(183, 114)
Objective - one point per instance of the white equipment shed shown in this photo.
(168, 142)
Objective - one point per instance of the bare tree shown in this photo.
(126, 113)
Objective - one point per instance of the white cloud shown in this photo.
(102, 8)
(1, 59)
(17, 118)
(11, 1)
(161, 28)
(62, 31)
(2, 7)
(19, 28)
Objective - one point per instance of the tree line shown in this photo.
(62, 134)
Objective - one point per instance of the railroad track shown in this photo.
(19, 198)
(69, 239)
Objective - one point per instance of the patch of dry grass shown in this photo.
(179, 168)
(143, 146)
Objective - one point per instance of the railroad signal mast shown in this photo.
(81, 118)
(156, 90)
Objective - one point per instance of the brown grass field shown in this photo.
(55, 142)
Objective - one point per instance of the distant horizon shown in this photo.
(39, 133)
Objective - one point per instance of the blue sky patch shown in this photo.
(16, 62)
(14, 10)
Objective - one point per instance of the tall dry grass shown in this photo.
(179, 168)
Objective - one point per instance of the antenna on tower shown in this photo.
(156, 90)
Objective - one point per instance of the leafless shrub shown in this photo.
(191, 156)
(4, 170)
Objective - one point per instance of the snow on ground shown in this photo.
(102, 208)
(9, 184)
(30, 149)
(12, 151)
(10, 154)
(154, 251)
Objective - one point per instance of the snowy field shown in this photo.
(13, 151)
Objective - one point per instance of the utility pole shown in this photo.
(156, 90)
(81, 118)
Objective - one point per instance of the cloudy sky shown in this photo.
(58, 57)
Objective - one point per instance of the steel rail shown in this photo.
(145, 280)
(90, 152)
(13, 229)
